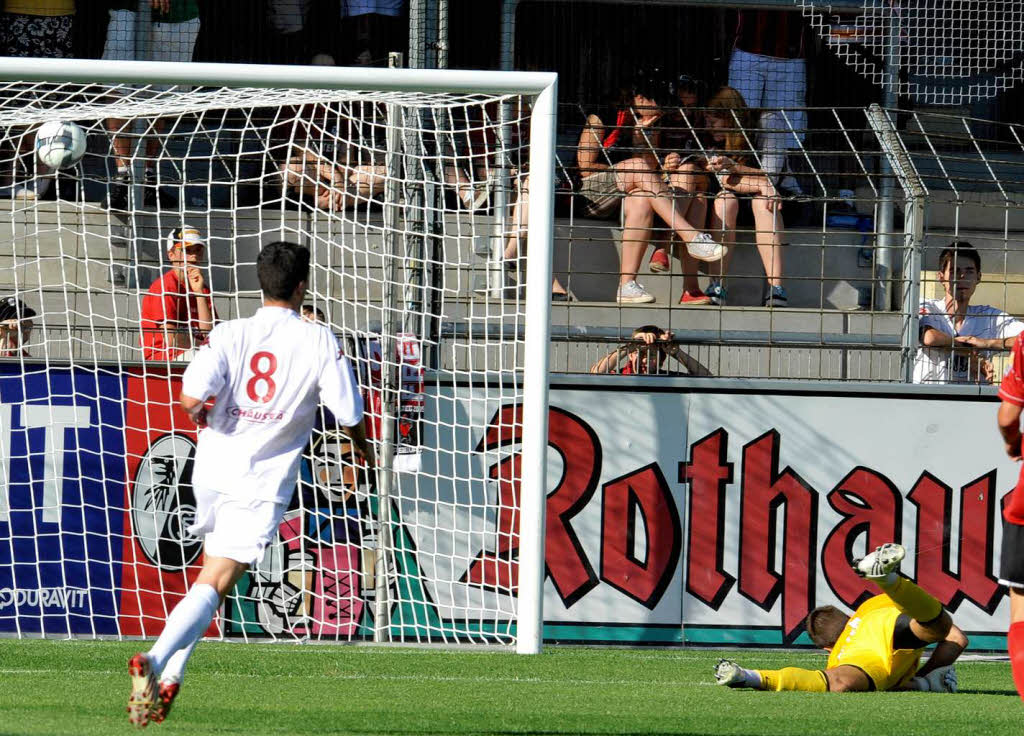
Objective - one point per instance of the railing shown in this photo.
(855, 276)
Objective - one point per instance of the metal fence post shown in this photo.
(897, 159)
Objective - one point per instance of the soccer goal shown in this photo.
(404, 185)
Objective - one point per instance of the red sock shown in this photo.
(1015, 646)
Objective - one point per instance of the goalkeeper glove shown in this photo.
(940, 680)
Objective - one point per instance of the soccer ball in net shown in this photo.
(60, 145)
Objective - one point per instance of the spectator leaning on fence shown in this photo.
(746, 174)
(320, 161)
(33, 28)
(618, 167)
(174, 29)
(15, 327)
(958, 338)
(177, 311)
(646, 355)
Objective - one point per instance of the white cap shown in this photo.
(186, 235)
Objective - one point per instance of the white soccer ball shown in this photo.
(60, 145)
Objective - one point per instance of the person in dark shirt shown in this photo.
(619, 166)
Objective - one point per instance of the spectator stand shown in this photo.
(851, 275)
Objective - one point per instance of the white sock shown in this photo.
(187, 622)
(751, 678)
(174, 670)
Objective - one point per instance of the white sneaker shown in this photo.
(704, 248)
(633, 293)
(32, 189)
(881, 562)
(729, 674)
(940, 680)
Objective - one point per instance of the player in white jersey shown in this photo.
(268, 373)
(958, 338)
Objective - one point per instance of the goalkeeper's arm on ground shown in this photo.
(946, 651)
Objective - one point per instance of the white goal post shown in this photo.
(461, 366)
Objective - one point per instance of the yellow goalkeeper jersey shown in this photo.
(866, 643)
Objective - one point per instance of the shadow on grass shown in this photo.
(964, 691)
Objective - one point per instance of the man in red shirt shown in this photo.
(177, 312)
(1011, 565)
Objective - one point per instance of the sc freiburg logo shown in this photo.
(164, 504)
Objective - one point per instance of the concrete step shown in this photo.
(84, 267)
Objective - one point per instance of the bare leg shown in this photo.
(635, 178)
(153, 144)
(769, 239)
(517, 229)
(636, 234)
(722, 223)
(122, 145)
(690, 267)
(588, 150)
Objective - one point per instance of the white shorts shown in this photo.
(236, 528)
(168, 41)
(768, 82)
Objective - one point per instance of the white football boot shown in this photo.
(881, 562)
(729, 673)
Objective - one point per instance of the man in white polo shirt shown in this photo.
(958, 338)
(269, 373)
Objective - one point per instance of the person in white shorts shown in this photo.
(768, 65)
(173, 34)
(268, 373)
(958, 338)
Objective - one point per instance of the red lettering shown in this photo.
(975, 582)
(642, 569)
(260, 374)
(708, 473)
(499, 569)
(763, 491)
(567, 564)
(869, 504)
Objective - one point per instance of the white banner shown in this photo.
(725, 517)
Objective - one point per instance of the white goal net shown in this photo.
(396, 188)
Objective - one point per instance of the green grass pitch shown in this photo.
(80, 687)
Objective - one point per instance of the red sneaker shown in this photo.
(144, 691)
(659, 261)
(694, 300)
(168, 692)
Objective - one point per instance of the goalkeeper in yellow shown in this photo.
(877, 648)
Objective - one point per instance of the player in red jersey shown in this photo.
(1011, 566)
(177, 311)
(268, 373)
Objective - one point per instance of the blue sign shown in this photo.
(62, 491)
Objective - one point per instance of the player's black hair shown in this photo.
(959, 248)
(825, 624)
(280, 267)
